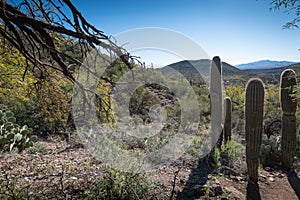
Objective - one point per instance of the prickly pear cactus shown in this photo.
(227, 121)
(12, 136)
(288, 125)
(254, 108)
(216, 99)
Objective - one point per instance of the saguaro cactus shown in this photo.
(227, 121)
(254, 108)
(288, 126)
(216, 100)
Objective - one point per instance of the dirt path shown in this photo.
(65, 172)
(273, 185)
(270, 188)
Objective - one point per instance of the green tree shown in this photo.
(41, 103)
(53, 36)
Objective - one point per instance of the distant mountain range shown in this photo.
(198, 70)
(264, 64)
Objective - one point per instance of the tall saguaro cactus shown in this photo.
(254, 108)
(227, 121)
(288, 127)
(216, 100)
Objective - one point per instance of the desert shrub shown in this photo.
(217, 156)
(272, 115)
(119, 185)
(194, 149)
(237, 95)
(141, 101)
(231, 154)
(270, 150)
(13, 192)
(231, 148)
(200, 145)
(38, 100)
(204, 103)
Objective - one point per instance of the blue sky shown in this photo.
(239, 31)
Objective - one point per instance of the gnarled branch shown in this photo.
(33, 28)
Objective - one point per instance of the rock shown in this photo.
(262, 178)
(280, 175)
(239, 178)
(232, 177)
(271, 174)
(268, 169)
(271, 179)
(234, 193)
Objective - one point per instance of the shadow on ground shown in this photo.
(294, 182)
(253, 191)
(197, 177)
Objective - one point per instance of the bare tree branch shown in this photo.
(290, 7)
(33, 27)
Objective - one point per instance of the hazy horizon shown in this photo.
(148, 65)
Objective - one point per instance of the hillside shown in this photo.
(196, 70)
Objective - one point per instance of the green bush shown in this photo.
(217, 157)
(119, 185)
(12, 136)
(270, 150)
(231, 154)
(232, 150)
(195, 148)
